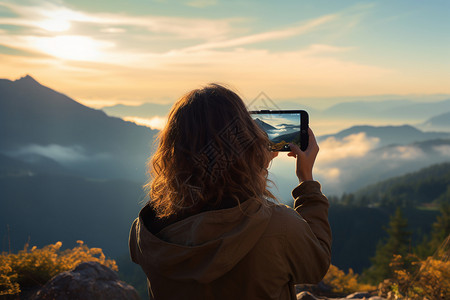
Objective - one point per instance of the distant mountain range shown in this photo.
(388, 110)
(419, 112)
(389, 135)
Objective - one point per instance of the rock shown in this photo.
(89, 280)
(359, 295)
(306, 296)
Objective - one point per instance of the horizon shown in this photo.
(324, 102)
(320, 54)
(321, 126)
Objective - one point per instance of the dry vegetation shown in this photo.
(34, 267)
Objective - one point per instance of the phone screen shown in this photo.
(282, 128)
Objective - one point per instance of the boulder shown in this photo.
(88, 281)
(359, 295)
(306, 296)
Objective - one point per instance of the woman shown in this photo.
(211, 229)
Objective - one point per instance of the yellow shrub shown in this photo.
(344, 283)
(425, 279)
(36, 266)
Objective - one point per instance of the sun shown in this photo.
(70, 47)
(55, 25)
(59, 20)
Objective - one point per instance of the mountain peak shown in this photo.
(28, 80)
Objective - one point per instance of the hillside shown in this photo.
(38, 121)
(48, 208)
(427, 186)
(358, 219)
(357, 231)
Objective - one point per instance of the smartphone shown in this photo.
(283, 127)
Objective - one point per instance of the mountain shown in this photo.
(36, 120)
(387, 110)
(439, 122)
(263, 125)
(145, 110)
(67, 172)
(388, 135)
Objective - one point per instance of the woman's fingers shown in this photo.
(305, 159)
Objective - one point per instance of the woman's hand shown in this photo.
(305, 159)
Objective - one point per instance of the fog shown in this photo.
(64, 155)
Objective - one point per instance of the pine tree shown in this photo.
(397, 242)
(439, 232)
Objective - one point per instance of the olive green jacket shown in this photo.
(247, 252)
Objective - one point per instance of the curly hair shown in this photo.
(210, 149)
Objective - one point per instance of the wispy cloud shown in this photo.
(265, 36)
(57, 18)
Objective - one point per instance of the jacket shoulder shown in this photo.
(284, 217)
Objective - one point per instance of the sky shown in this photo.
(105, 52)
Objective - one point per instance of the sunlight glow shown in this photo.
(154, 123)
(70, 47)
(59, 20)
(55, 25)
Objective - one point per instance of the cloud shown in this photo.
(336, 161)
(402, 153)
(265, 36)
(352, 146)
(71, 47)
(154, 123)
(53, 17)
(330, 174)
(65, 155)
(443, 150)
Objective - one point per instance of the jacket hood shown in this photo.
(202, 247)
